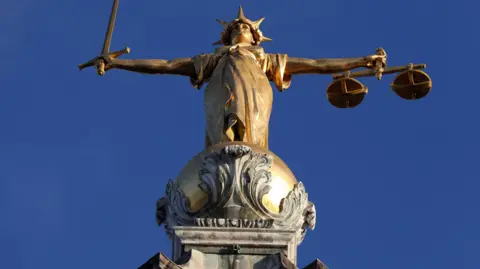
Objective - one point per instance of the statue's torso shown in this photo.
(256, 53)
(238, 84)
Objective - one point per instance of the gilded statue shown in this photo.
(238, 96)
(237, 190)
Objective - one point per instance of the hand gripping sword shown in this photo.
(99, 62)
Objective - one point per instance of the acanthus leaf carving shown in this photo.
(174, 209)
(237, 175)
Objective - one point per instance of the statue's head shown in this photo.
(241, 31)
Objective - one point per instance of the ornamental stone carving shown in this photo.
(237, 223)
(236, 179)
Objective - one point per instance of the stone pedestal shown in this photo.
(234, 206)
(252, 244)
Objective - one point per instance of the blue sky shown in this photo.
(83, 158)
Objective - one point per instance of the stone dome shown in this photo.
(236, 184)
(282, 179)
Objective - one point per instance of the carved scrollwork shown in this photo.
(218, 173)
(255, 181)
(237, 177)
(174, 209)
(292, 207)
(238, 172)
(310, 216)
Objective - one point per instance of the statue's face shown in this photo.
(241, 33)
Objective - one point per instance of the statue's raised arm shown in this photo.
(180, 66)
(330, 66)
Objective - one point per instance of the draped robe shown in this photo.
(238, 98)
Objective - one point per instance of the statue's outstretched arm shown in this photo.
(328, 66)
(180, 66)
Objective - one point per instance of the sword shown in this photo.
(99, 62)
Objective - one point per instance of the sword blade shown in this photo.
(111, 24)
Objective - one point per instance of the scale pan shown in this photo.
(412, 84)
(346, 92)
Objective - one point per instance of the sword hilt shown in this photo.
(100, 67)
(119, 53)
(100, 63)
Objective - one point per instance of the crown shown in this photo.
(254, 26)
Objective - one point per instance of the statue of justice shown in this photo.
(238, 96)
(237, 183)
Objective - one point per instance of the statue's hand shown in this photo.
(371, 60)
(104, 62)
(379, 62)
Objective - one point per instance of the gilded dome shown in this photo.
(282, 179)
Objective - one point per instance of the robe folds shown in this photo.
(238, 98)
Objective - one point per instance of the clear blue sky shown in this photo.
(83, 158)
